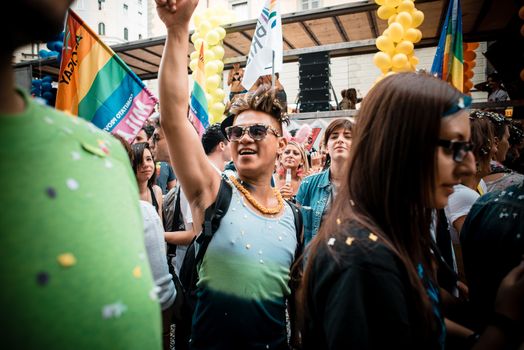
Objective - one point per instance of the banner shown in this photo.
(266, 40)
(198, 111)
(448, 63)
(95, 84)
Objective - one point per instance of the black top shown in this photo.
(363, 301)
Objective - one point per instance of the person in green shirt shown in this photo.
(74, 272)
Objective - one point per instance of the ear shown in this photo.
(496, 140)
(222, 145)
(282, 143)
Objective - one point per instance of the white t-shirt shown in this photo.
(459, 204)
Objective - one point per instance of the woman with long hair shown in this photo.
(144, 169)
(317, 192)
(293, 167)
(369, 278)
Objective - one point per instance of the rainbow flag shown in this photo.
(448, 63)
(198, 112)
(95, 84)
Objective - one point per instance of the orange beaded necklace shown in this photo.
(255, 203)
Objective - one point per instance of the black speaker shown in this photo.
(314, 73)
(314, 82)
(314, 107)
(314, 95)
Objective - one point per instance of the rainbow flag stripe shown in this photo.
(95, 84)
(198, 111)
(448, 63)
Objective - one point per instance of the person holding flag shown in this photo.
(265, 55)
(244, 279)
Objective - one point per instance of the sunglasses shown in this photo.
(459, 149)
(256, 131)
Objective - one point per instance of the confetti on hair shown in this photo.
(331, 241)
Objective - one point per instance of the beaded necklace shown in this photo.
(255, 203)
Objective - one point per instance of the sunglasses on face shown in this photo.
(256, 131)
(459, 149)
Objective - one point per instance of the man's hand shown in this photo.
(175, 12)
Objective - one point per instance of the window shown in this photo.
(139, 36)
(100, 4)
(140, 13)
(101, 28)
(126, 8)
(241, 10)
(309, 4)
(126, 34)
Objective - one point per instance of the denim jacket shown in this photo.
(313, 196)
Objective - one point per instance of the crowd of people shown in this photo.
(404, 230)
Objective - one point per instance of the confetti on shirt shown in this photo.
(66, 259)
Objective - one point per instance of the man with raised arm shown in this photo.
(244, 275)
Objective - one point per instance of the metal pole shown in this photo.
(273, 70)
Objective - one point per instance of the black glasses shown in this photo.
(256, 131)
(459, 148)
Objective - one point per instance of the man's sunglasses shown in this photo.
(256, 131)
(459, 149)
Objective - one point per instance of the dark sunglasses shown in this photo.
(459, 148)
(256, 131)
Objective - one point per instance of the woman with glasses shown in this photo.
(466, 193)
(317, 192)
(244, 277)
(369, 281)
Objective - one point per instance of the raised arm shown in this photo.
(196, 175)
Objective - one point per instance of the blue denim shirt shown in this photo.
(313, 196)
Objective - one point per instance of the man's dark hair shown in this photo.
(212, 137)
(149, 129)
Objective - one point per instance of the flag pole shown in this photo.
(273, 70)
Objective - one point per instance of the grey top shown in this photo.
(156, 254)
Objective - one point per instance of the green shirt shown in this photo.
(73, 272)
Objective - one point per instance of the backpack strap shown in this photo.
(212, 218)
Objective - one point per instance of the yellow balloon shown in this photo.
(396, 32)
(194, 55)
(211, 68)
(193, 64)
(413, 60)
(406, 5)
(384, 43)
(419, 36)
(219, 94)
(386, 32)
(212, 82)
(209, 99)
(399, 60)
(382, 60)
(221, 32)
(215, 21)
(195, 36)
(393, 3)
(204, 27)
(417, 18)
(209, 56)
(411, 34)
(380, 2)
(384, 12)
(218, 50)
(392, 19)
(405, 47)
(405, 19)
(220, 65)
(212, 37)
(217, 108)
